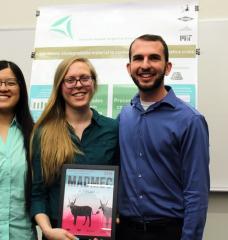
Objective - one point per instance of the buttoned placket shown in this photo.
(5, 190)
(140, 155)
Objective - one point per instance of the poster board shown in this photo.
(60, 34)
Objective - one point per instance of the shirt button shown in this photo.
(140, 196)
(140, 154)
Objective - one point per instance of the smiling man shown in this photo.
(164, 154)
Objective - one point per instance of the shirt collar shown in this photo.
(96, 117)
(169, 99)
(14, 122)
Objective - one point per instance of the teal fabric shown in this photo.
(99, 143)
(14, 221)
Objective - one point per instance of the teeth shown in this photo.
(79, 94)
(3, 97)
(145, 75)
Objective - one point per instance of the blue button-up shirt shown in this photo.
(164, 163)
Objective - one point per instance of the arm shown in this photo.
(195, 178)
(39, 197)
(39, 191)
(49, 232)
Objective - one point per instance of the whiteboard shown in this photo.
(17, 45)
(213, 96)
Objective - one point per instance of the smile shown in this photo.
(147, 74)
(80, 94)
(4, 97)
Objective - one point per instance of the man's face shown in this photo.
(148, 66)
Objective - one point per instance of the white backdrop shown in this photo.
(212, 84)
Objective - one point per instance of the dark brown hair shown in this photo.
(153, 38)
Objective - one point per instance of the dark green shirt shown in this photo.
(99, 143)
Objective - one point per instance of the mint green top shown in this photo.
(14, 221)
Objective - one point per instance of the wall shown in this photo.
(13, 19)
(212, 79)
(217, 220)
(21, 14)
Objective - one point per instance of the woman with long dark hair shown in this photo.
(15, 173)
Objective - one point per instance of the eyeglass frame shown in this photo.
(6, 82)
(86, 78)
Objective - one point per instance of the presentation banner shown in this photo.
(103, 33)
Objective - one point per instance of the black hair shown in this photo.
(24, 118)
(153, 38)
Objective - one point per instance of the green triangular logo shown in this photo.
(63, 26)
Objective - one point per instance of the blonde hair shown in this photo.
(56, 145)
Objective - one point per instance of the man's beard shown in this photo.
(156, 84)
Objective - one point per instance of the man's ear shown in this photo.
(129, 68)
(168, 68)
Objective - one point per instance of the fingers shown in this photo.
(71, 236)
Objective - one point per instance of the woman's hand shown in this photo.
(52, 233)
(59, 234)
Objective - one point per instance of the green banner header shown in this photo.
(182, 51)
(95, 52)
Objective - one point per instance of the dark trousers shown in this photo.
(162, 229)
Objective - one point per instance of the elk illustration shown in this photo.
(107, 211)
(76, 211)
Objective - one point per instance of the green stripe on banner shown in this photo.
(87, 52)
(95, 52)
(182, 51)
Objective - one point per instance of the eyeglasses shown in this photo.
(71, 82)
(10, 83)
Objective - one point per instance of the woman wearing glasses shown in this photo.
(15, 175)
(68, 131)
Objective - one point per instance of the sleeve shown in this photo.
(117, 148)
(39, 189)
(195, 177)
